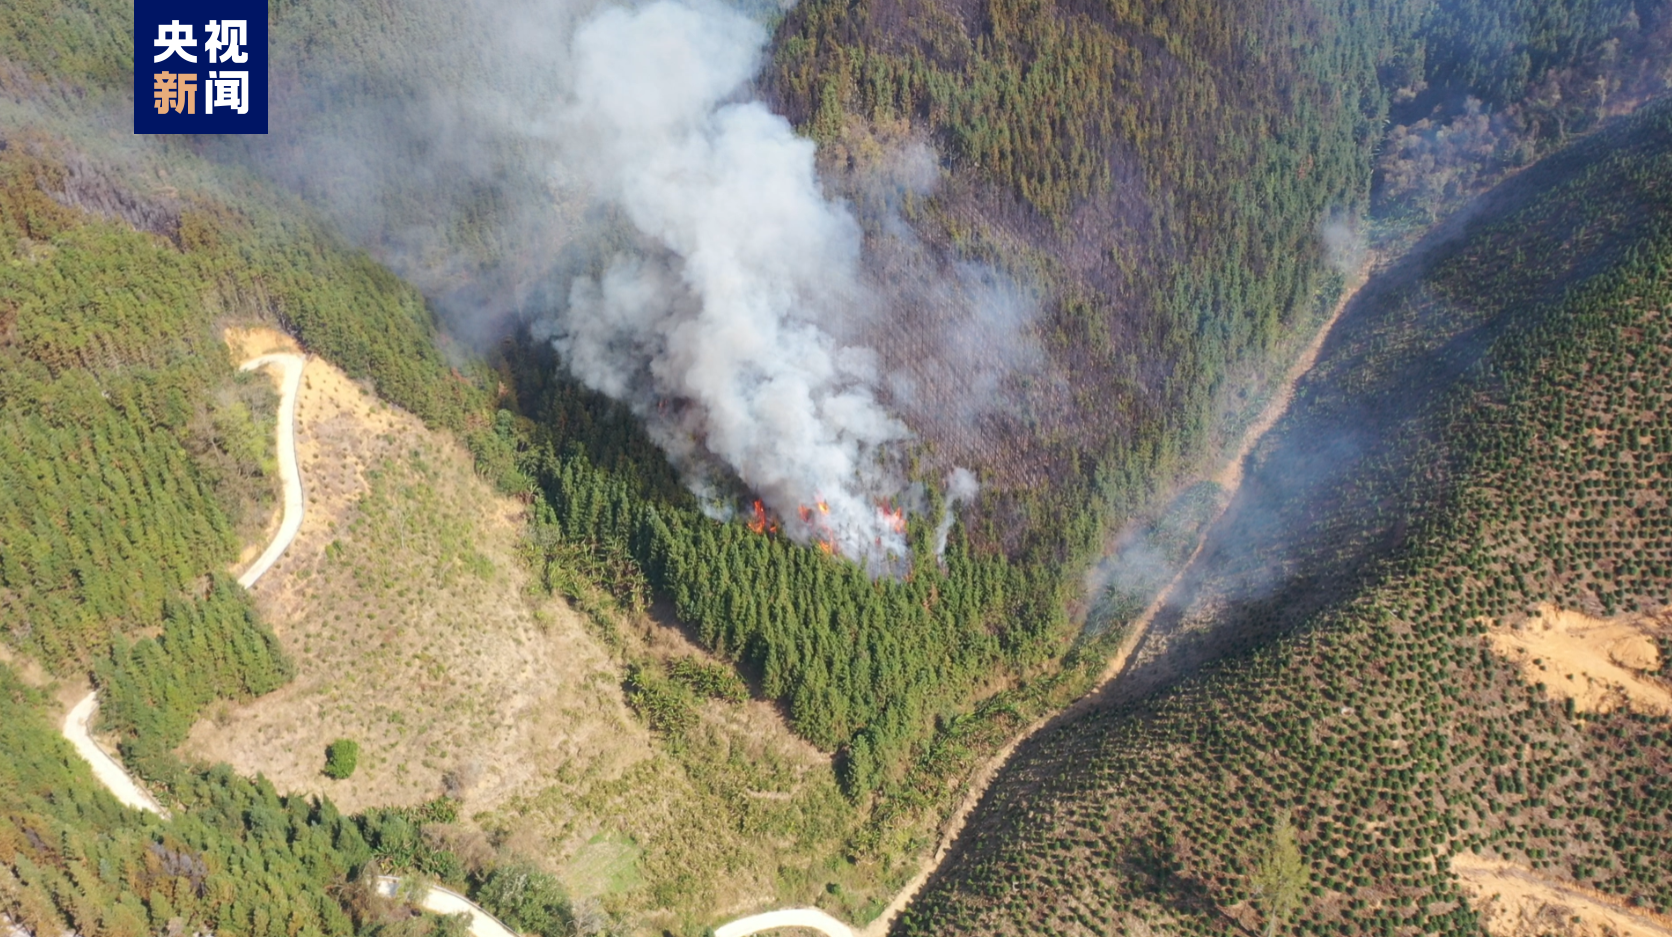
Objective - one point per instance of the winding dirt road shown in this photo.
(77, 724)
(108, 770)
(438, 900)
(123, 785)
(809, 918)
(290, 474)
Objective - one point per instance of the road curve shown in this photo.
(809, 918)
(108, 770)
(116, 778)
(438, 900)
(290, 475)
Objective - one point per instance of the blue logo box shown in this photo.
(200, 66)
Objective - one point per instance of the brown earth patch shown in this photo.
(1600, 664)
(408, 613)
(257, 341)
(1515, 902)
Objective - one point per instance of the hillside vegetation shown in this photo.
(1162, 174)
(1177, 242)
(1377, 731)
(242, 860)
(134, 457)
(1158, 171)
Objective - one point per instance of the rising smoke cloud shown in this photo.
(1345, 246)
(711, 327)
(601, 173)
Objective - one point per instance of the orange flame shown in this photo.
(824, 508)
(761, 522)
(895, 517)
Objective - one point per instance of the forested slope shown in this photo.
(1163, 173)
(130, 440)
(1381, 732)
(236, 857)
(133, 458)
(243, 860)
(1167, 199)
(1330, 495)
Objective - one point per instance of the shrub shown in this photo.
(664, 705)
(341, 758)
(528, 899)
(715, 681)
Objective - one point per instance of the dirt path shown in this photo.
(290, 475)
(809, 918)
(438, 900)
(1517, 902)
(106, 768)
(1230, 477)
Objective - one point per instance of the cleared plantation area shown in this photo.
(402, 604)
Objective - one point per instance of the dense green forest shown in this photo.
(235, 857)
(125, 452)
(1376, 725)
(1160, 171)
(1151, 332)
(1496, 51)
(862, 664)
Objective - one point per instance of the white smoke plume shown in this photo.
(711, 329)
(961, 488)
(1345, 246)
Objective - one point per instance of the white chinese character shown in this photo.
(174, 39)
(228, 89)
(233, 34)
